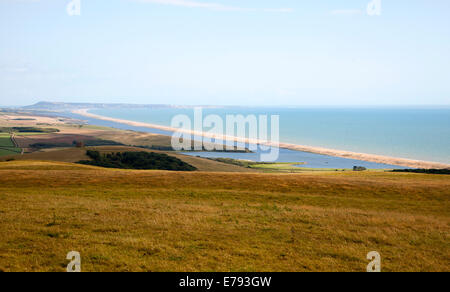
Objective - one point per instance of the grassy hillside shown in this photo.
(78, 154)
(126, 220)
(64, 155)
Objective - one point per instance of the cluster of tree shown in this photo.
(359, 168)
(88, 143)
(27, 130)
(137, 160)
(155, 147)
(99, 142)
(428, 171)
(49, 145)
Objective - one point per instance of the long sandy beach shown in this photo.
(317, 150)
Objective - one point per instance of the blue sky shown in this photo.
(247, 52)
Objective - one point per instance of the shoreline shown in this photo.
(316, 150)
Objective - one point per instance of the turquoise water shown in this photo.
(408, 133)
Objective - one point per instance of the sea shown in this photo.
(414, 133)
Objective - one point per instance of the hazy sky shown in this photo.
(247, 52)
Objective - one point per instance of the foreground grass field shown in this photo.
(166, 221)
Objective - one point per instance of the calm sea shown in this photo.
(408, 133)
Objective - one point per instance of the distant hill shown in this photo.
(58, 106)
(63, 106)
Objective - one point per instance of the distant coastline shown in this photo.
(317, 150)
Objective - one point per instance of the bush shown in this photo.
(101, 143)
(95, 155)
(49, 145)
(75, 144)
(27, 130)
(427, 171)
(155, 147)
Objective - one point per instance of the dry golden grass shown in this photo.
(168, 221)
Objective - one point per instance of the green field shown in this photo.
(22, 134)
(6, 142)
(7, 146)
(30, 134)
(93, 127)
(11, 151)
(281, 167)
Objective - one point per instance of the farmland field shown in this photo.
(5, 141)
(7, 146)
(9, 151)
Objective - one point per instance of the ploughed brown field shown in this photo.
(125, 220)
